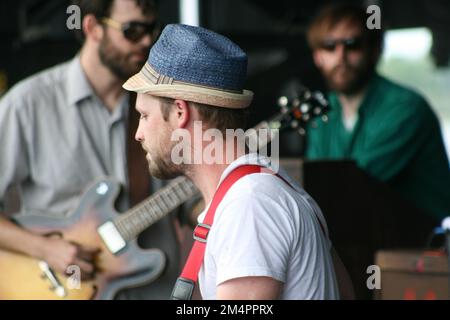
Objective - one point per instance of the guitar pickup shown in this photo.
(111, 237)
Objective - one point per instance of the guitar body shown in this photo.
(21, 277)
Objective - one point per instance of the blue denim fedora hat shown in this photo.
(194, 64)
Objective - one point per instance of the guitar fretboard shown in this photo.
(131, 223)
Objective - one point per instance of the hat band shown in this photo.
(156, 78)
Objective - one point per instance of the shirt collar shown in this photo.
(251, 158)
(78, 87)
(121, 111)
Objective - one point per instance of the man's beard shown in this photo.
(118, 63)
(160, 165)
(356, 78)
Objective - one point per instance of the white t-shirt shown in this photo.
(263, 227)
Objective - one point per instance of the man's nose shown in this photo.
(138, 136)
(340, 51)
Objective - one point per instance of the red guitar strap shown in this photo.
(185, 284)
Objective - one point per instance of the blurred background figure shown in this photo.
(65, 127)
(389, 130)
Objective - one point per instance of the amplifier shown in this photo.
(413, 275)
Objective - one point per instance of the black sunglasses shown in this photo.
(353, 44)
(134, 31)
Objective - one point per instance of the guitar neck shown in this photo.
(131, 223)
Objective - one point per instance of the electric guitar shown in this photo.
(121, 263)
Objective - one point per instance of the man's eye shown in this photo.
(143, 117)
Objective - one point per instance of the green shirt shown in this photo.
(396, 139)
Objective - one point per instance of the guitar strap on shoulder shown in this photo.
(138, 177)
(185, 284)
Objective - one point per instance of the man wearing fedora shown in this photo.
(63, 128)
(268, 239)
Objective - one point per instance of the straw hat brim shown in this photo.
(190, 92)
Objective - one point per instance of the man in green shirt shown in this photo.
(390, 131)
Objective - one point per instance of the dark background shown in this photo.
(34, 36)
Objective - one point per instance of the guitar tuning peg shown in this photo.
(317, 111)
(319, 96)
(304, 108)
(294, 124)
(306, 117)
(325, 118)
(301, 131)
(283, 101)
(307, 94)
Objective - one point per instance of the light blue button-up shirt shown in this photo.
(57, 137)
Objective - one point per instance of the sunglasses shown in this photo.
(352, 44)
(133, 31)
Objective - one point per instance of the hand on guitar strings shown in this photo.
(61, 254)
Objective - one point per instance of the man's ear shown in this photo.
(180, 114)
(92, 28)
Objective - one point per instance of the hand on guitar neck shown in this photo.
(58, 253)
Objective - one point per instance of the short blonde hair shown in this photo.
(215, 117)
